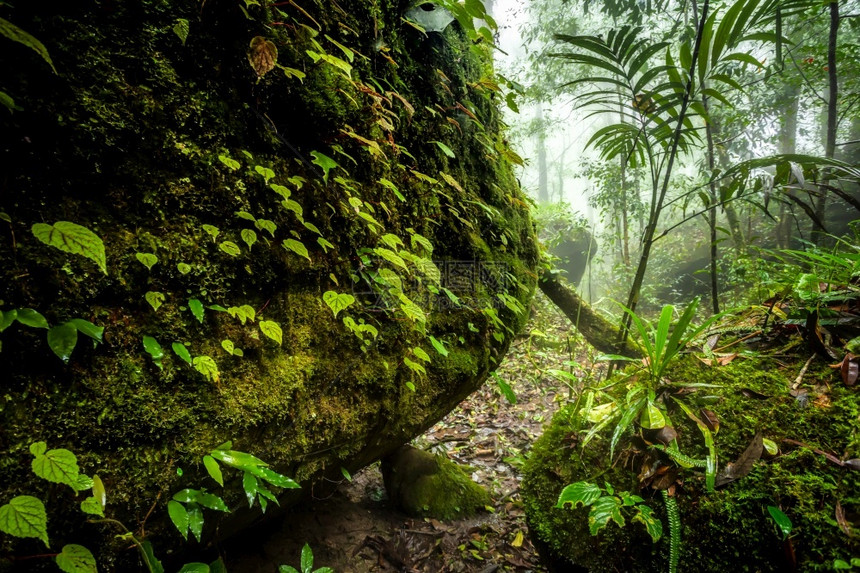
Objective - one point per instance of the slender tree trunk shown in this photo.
(625, 227)
(787, 145)
(712, 213)
(818, 231)
(657, 205)
(543, 181)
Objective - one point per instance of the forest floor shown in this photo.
(356, 530)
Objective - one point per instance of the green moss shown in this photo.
(424, 485)
(126, 141)
(729, 529)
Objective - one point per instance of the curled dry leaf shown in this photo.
(744, 464)
(710, 419)
(840, 519)
(850, 369)
(263, 55)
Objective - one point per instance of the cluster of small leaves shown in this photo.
(25, 515)
(606, 506)
(62, 338)
(186, 507)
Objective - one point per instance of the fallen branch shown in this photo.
(598, 331)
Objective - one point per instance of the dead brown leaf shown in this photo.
(262, 56)
(843, 523)
(744, 464)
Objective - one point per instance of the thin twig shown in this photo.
(803, 370)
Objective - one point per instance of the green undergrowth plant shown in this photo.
(62, 338)
(646, 408)
(306, 564)
(25, 516)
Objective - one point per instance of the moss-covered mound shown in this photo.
(311, 198)
(731, 528)
(425, 485)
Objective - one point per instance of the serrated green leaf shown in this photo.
(57, 466)
(337, 301)
(266, 225)
(24, 516)
(391, 257)
(228, 345)
(250, 237)
(231, 163)
(196, 309)
(62, 340)
(179, 517)
(181, 28)
(272, 330)
(212, 230)
(230, 248)
(76, 559)
(154, 349)
(29, 317)
(181, 351)
(284, 192)
(146, 259)
(297, 247)
(264, 172)
(155, 299)
(213, 469)
(91, 506)
(580, 492)
(208, 367)
(645, 515)
(421, 354)
(293, 206)
(602, 511)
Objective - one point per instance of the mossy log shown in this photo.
(598, 331)
(368, 163)
(729, 529)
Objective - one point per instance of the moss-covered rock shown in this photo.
(729, 529)
(259, 193)
(425, 485)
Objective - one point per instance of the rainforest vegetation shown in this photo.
(429, 285)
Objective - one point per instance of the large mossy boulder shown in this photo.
(729, 529)
(313, 201)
